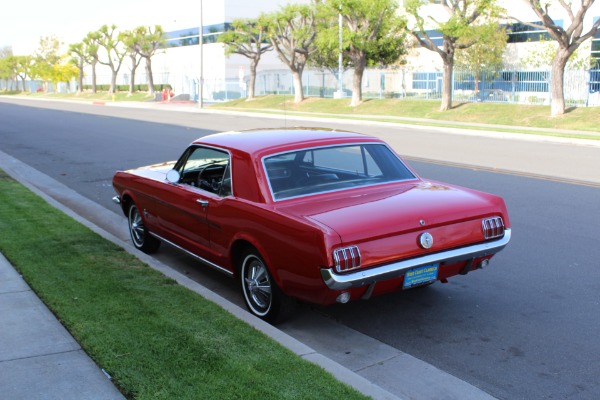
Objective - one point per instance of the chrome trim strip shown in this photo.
(336, 260)
(368, 276)
(205, 261)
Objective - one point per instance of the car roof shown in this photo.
(260, 142)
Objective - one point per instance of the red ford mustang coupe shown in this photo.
(319, 216)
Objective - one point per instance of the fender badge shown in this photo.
(426, 240)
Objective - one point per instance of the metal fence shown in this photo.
(581, 87)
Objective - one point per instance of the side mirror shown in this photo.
(173, 176)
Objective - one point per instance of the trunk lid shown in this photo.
(386, 222)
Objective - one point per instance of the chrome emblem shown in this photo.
(426, 240)
(422, 222)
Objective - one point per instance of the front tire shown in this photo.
(141, 238)
(261, 293)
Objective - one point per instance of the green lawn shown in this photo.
(89, 96)
(518, 115)
(156, 339)
(505, 117)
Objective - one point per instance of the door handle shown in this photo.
(203, 203)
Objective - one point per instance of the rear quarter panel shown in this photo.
(294, 249)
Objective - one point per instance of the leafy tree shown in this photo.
(112, 43)
(373, 34)
(5, 69)
(130, 40)
(22, 68)
(46, 56)
(63, 71)
(326, 56)
(247, 38)
(484, 58)
(80, 57)
(149, 41)
(465, 26)
(291, 30)
(91, 47)
(541, 54)
(569, 39)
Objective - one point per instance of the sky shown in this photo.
(23, 24)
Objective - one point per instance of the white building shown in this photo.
(224, 76)
(179, 64)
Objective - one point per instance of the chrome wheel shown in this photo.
(140, 237)
(136, 227)
(256, 284)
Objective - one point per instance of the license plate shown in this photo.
(420, 276)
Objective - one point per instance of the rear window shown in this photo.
(327, 169)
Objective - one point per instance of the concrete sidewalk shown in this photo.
(39, 359)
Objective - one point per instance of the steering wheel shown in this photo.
(210, 185)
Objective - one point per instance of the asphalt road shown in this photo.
(525, 328)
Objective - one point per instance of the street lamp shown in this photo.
(340, 92)
(201, 42)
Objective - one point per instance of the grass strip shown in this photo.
(583, 122)
(518, 115)
(156, 339)
(87, 96)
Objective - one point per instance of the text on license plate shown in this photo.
(420, 275)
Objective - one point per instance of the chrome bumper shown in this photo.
(116, 200)
(366, 277)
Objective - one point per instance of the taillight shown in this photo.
(346, 258)
(492, 227)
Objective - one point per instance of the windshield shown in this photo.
(327, 169)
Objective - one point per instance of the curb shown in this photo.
(27, 175)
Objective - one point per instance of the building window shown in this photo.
(520, 33)
(189, 37)
(426, 80)
(435, 36)
(596, 47)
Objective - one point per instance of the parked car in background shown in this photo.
(315, 215)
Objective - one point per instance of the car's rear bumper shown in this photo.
(394, 270)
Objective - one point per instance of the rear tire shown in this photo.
(141, 238)
(262, 295)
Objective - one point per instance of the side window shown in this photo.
(207, 169)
